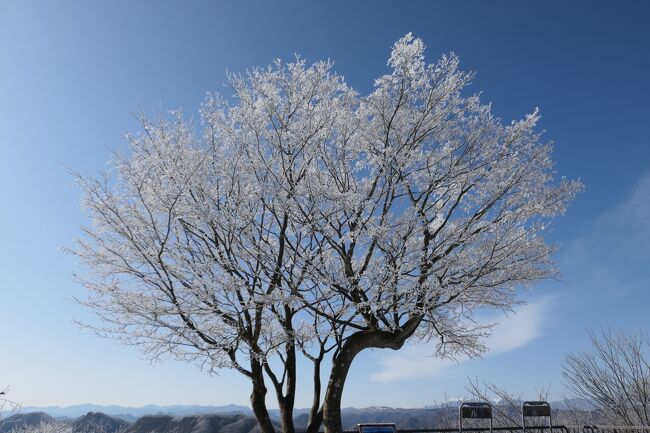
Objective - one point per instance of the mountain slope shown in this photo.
(194, 424)
(24, 420)
(98, 422)
(136, 412)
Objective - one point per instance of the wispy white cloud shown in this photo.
(608, 259)
(630, 220)
(513, 331)
(622, 230)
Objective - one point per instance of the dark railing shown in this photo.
(513, 429)
(481, 411)
(532, 429)
(607, 429)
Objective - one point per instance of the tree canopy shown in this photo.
(301, 216)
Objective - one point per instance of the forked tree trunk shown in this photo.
(286, 398)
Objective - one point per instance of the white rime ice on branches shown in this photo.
(303, 213)
(46, 427)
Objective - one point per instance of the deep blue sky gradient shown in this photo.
(73, 73)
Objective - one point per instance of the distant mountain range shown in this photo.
(130, 414)
(88, 418)
(95, 422)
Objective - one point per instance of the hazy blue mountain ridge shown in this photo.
(235, 419)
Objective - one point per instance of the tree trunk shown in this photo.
(315, 421)
(286, 399)
(286, 416)
(316, 411)
(342, 362)
(258, 400)
(289, 400)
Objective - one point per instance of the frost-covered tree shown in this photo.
(430, 209)
(302, 215)
(57, 427)
(46, 427)
(614, 375)
(7, 406)
(191, 252)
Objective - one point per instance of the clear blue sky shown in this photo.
(72, 73)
